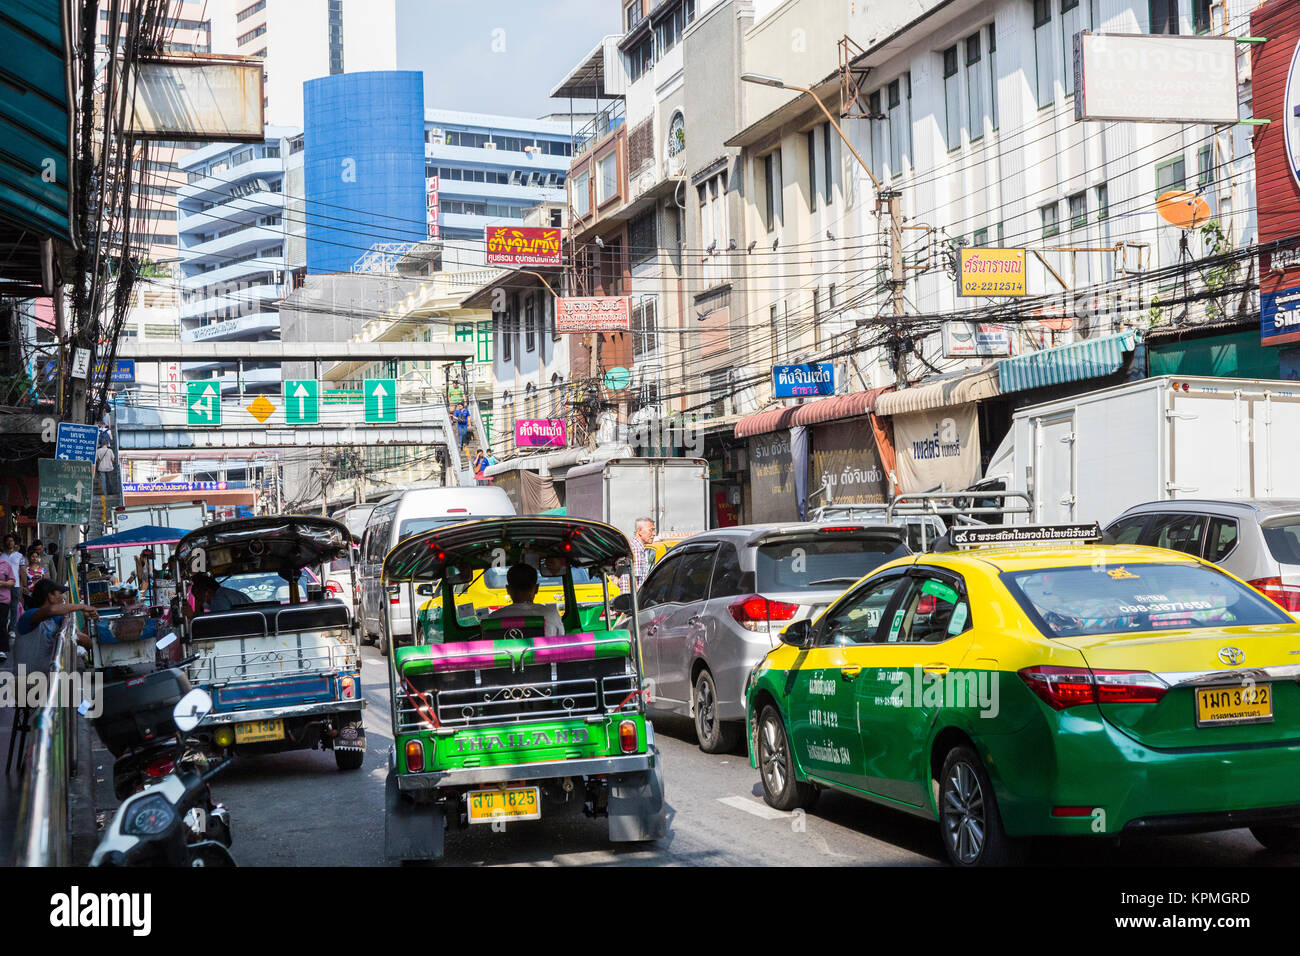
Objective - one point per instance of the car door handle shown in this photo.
(936, 668)
(695, 620)
(850, 673)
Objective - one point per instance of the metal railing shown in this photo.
(958, 505)
(305, 656)
(42, 836)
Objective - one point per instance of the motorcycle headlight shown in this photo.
(149, 816)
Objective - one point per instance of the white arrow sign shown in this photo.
(380, 394)
(301, 394)
(79, 487)
(204, 405)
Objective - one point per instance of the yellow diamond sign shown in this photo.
(261, 409)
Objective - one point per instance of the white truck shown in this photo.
(1090, 457)
(673, 492)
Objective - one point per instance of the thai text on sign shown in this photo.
(522, 246)
(606, 313)
(531, 433)
(992, 272)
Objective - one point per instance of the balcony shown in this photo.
(232, 301)
(217, 217)
(233, 272)
(257, 326)
(252, 235)
(605, 122)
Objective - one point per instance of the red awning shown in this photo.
(828, 409)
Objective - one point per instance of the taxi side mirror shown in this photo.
(797, 634)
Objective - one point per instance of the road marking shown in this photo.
(754, 807)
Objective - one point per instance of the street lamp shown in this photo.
(760, 79)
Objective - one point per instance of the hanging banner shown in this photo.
(434, 209)
(540, 433)
(846, 465)
(939, 448)
(601, 313)
(522, 246)
(771, 479)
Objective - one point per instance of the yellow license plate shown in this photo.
(1235, 704)
(511, 803)
(256, 731)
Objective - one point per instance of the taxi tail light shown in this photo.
(627, 736)
(1062, 687)
(159, 767)
(1273, 588)
(415, 756)
(757, 613)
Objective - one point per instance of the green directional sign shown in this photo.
(301, 401)
(67, 490)
(381, 401)
(203, 399)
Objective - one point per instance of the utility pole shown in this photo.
(897, 282)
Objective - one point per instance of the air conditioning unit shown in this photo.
(489, 145)
(436, 133)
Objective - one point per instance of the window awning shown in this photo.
(1090, 358)
(831, 408)
(960, 389)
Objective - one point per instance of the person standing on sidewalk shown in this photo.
(16, 562)
(8, 602)
(104, 465)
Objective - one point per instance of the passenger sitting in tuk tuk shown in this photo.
(521, 585)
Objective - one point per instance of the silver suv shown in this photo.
(716, 603)
(1257, 539)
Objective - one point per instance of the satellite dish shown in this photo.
(1183, 209)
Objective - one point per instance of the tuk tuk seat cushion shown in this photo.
(493, 628)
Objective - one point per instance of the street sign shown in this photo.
(302, 401)
(991, 272)
(80, 363)
(67, 492)
(203, 399)
(793, 381)
(261, 408)
(123, 372)
(76, 442)
(381, 401)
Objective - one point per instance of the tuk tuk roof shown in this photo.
(472, 545)
(266, 543)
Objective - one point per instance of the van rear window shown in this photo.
(419, 525)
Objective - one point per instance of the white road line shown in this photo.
(754, 807)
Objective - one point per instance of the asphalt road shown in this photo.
(296, 809)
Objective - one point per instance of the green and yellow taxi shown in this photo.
(1057, 688)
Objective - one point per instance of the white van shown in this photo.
(400, 516)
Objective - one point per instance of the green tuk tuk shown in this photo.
(497, 722)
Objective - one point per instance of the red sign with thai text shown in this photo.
(522, 246)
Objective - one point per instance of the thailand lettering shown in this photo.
(483, 743)
(944, 444)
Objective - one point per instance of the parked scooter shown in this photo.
(172, 822)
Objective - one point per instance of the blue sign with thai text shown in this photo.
(798, 381)
(1279, 314)
(76, 442)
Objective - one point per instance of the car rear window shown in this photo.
(342, 563)
(821, 561)
(1109, 599)
(1283, 539)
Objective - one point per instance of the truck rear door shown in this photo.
(1054, 488)
(1209, 443)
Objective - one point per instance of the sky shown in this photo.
(507, 55)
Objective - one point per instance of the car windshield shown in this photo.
(797, 564)
(262, 587)
(1282, 536)
(495, 578)
(1108, 599)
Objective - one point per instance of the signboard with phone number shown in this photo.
(991, 272)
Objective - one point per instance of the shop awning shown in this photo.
(829, 409)
(1090, 358)
(961, 388)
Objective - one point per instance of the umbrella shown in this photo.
(149, 534)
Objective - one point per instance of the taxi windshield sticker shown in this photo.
(958, 621)
(896, 626)
(940, 590)
(1119, 574)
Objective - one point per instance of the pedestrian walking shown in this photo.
(104, 465)
(8, 601)
(18, 564)
(480, 466)
(461, 417)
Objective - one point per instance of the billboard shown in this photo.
(543, 433)
(522, 246)
(991, 272)
(434, 208)
(797, 381)
(1155, 78)
(212, 99)
(600, 313)
(1275, 96)
(975, 340)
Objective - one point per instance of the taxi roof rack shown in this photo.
(959, 505)
(991, 535)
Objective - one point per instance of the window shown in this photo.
(981, 237)
(1204, 167)
(830, 296)
(933, 609)
(644, 325)
(719, 391)
(951, 98)
(1164, 15)
(1201, 16)
(251, 35)
(691, 583)
(993, 75)
(900, 122)
(974, 87)
(1051, 221)
(857, 619)
(581, 194)
(771, 183)
(728, 578)
(643, 245)
(1078, 210)
(633, 14)
(607, 177)
(530, 323)
(811, 137)
(1103, 202)
(1043, 51)
(1072, 21)
(507, 335)
(1171, 175)
(655, 590)
(247, 12)
(641, 58)
(877, 130)
(799, 563)
(1177, 532)
(826, 162)
(1127, 530)
(1221, 539)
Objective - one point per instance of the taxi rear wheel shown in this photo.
(776, 765)
(1280, 839)
(968, 814)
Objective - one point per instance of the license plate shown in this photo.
(256, 731)
(512, 803)
(1235, 704)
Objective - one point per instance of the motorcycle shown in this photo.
(173, 822)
